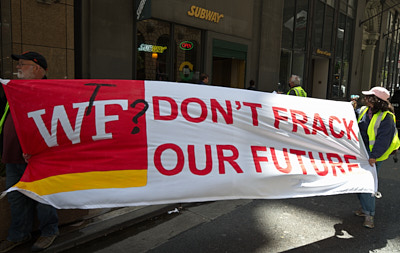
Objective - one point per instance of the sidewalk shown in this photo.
(96, 227)
(329, 213)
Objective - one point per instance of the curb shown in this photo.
(105, 224)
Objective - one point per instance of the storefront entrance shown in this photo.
(229, 64)
(319, 76)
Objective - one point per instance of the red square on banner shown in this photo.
(81, 128)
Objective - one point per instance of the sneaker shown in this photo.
(43, 242)
(360, 213)
(7, 245)
(369, 221)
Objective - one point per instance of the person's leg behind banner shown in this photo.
(21, 208)
(367, 201)
(48, 226)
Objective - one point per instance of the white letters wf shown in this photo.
(59, 114)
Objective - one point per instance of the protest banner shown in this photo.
(110, 143)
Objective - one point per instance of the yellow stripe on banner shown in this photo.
(86, 181)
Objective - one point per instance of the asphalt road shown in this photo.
(317, 224)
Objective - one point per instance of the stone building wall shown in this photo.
(44, 26)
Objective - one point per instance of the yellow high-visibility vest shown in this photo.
(373, 129)
(3, 118)
(299, 91)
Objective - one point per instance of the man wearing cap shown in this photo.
(31, 65)
(377, 125)
(295, 88)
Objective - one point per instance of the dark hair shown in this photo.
(251, 82)
(203, 76)
(379, 104)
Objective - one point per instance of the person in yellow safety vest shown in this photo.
(295, 88)
(377, 124)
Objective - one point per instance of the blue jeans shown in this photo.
(23, 207)
(366, 199)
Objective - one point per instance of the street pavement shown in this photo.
(315, 224)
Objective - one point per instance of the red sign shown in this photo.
(186, 45)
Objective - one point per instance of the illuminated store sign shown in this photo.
(186, 71)
(201, 13)
(186, 45)
(151, 48)
(322, 52)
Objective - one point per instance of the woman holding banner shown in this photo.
(377, 125)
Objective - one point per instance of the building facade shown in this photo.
(337, 47)
(178, 40)
(317, 42)
(45, 26)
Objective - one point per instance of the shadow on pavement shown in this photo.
(350, 235)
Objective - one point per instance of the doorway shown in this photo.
(229, 72)
(229, 64)
(320, 77)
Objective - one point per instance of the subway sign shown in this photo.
(151, 48)
(201, 13)
(186, 45)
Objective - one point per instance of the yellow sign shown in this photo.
(186, 71)
(326, 53)
(202, 13)
(152, 48)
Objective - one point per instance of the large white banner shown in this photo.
(154, 142)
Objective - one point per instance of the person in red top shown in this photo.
(31, 65)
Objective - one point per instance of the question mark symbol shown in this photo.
(136, 129)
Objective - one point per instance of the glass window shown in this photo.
(343, 56)
(187, 54)
(390, 67)
(348, 39)
(295, 22)
(288, 23)
(351, 9)
(331, 3)
(153, 52)
(343, 6)
(328, 28)
(141, 57)
(161, 56)
(344, 80)
(341, 35)
(395, 81)
(318, 24)
(298, 64)
(301, 24)
(336, 87)
(340, 83)
(347, 55)
(284, 70)
(385, 65)
(390, 28)
(398, 31)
